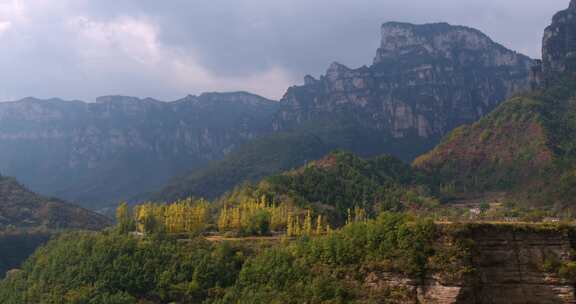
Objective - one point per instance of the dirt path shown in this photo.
(219, 238)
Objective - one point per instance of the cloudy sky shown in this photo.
(81, 49)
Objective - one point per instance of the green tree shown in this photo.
(484, 207)
(125, 222)
(259, 223)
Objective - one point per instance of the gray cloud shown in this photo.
(80, 49)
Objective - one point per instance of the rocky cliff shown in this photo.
(425, 81)
(525, 148)
(505, 264)
(559, 44)
(122, 146)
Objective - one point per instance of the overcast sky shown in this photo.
(166, 49)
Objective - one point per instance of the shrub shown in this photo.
(259, 224)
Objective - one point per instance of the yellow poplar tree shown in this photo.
(308, 223)
(319, 225)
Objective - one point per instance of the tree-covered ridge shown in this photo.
(341, 181)
(28, 220)
(323, 195)
(251, 162)
(526, 148)
(108, 267)
(21, 208)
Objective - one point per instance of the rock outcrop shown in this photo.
(425, 81)
(511, 266)
(508, 264)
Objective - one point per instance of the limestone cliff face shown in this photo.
(121, 146)
(458, 44)
(506, 265)
(520, 149)
(510, 267)
(425, 81)
(559, 44)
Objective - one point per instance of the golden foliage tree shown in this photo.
(237, 215)
(183, 216)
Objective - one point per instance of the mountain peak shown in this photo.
(441, 40)
(310, 80)
(337, 66)
(335, 70)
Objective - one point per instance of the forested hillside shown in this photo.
(341, 182)
(525, 148)
(393, 259)
(28, 220)
(21, 208)
(251, 162)
(112, 268)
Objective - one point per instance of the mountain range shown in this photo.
(102, 152)
(425, 81)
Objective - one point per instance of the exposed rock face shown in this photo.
(460, 45)
(522, 148)
(425, 81)
(121, 146)
(508, 268)
(559, 44)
